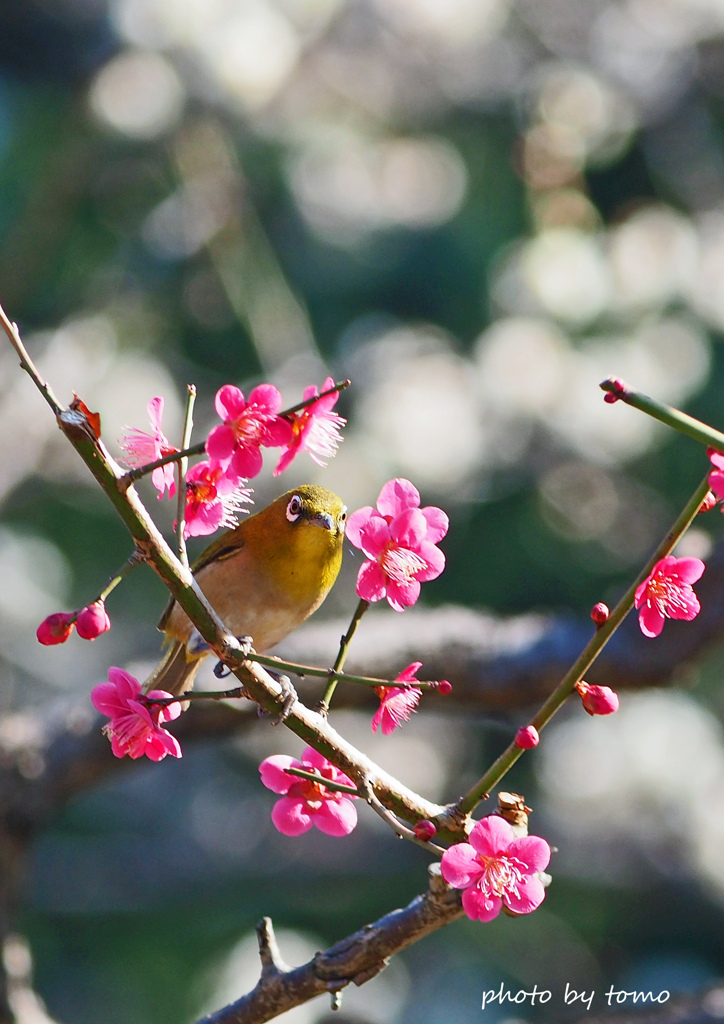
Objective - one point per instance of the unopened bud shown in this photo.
(444, 687)
(92, 621)
(56, 628)
(597, 700)
(599, 613)
(425, 830)
(708, 503)
(616, 389)
(527, 737)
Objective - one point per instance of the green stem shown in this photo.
(198, 449)
(183, 463)
(666, 414)
(233, 694)
(588, 655)
(135, 559)
(338, 787)
(329, 673)
(323, 706)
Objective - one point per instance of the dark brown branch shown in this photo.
(354, 960)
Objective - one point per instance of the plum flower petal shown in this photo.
(396, 497)
(461, 865)
(667, 593)
(400, 541)
(495, 869)
(92, 621)
(135, 725)
(397, 703)
(56, 628)
(307, 802)
(291, 817)
(141, 448)
(247, 426)
(336, 818)
(212, 500)
(315, 429)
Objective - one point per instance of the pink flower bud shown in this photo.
(599, 613)
(619, 390)
(597, 700)
(527, 737)
(444, 687)
(425, 830)
(56, 628)
(708, 503)
(92, 621)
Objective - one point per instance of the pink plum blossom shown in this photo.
(597, 700)
(399, 539)
(141, 448)
(397, 702)
(495, 869)
(134, 728)
(667, 593)
(248, 425)
(56, 628)
(527, 737)
(212, 500)
(305, 803)
(92, 621)
(315, 429)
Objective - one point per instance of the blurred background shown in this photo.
(476, 210)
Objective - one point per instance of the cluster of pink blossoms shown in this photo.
(90, 622)
(400, 541)
(135, 722)
(215, 488)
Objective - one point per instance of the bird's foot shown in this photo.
(288, 696)
(221, 669)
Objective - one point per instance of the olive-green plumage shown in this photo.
(263, 578)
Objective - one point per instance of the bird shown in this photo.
(263, 578)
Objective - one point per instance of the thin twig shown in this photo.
(588, 655)
(323, 706)
(11, 329)
(182, 467)
(667, 414)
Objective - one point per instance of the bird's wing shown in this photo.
(228, 544)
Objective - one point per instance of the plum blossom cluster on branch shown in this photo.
(497, 868)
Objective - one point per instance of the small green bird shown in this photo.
(264, 578)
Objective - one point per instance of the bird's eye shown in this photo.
(294, 508)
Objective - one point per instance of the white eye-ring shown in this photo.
(294, 508)
(342, 518)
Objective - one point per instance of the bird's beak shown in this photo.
(323, 519)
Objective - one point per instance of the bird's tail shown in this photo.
(175, 673)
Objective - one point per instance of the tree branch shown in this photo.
(354, 960)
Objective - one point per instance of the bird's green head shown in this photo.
(302, 534)
(310, 505)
